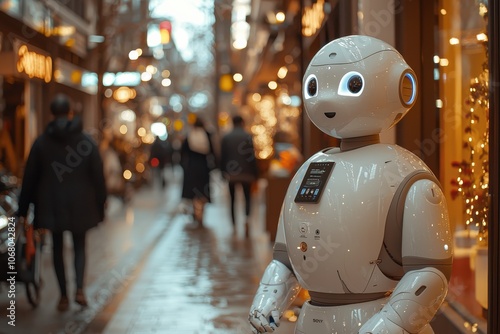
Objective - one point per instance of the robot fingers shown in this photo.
(274, 319)
(260, 323)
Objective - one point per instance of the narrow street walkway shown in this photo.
(196, 280)
(150, 271)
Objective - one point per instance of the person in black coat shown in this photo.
(197, 161)
(64, 180)
(160, 155)
(238, 165)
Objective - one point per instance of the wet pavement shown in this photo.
(151, 271)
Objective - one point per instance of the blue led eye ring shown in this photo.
(408, 88)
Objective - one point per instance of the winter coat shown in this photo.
(197, 160)
(64, 179)
(161, 150)
(238, 162)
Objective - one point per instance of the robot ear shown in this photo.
(408, 88)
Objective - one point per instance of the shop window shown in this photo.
(461, 68)
(12, 118)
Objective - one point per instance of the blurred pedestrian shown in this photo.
(113, 171)
(64, 180)
(238, 166)
(197, 160)
(160, 155)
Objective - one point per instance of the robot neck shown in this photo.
(348, 144)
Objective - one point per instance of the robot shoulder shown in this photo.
(391, 257)
(427, 237)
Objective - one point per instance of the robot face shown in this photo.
(357, 86)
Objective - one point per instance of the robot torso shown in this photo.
(334, 216)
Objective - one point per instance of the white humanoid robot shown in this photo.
(363, 227)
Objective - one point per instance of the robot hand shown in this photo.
(264, 321)
(277, 290)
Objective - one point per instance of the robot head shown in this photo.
(358, 86)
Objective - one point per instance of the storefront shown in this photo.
(450, 130)
(40, 55)
(453, 47)
(24, 70)
(462, 102)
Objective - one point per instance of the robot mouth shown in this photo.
(330, 114)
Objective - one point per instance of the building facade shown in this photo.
(44, 50)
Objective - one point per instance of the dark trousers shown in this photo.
(159, 173)
(58, 258)
(246, 192)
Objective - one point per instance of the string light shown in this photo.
(473, 171)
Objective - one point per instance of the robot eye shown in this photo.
(351, 84)
(311, 86)
(408, 88)
(355, 84)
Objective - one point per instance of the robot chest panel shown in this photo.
(334, 243)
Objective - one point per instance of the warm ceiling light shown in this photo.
(237, 77)
(166, 82)
(141, 132)
(146, 76)
(123, 94)
(133, 55)
(239, 44)
(280, 17)
(482, 37)
(282, 72)
(240, 32)
(63, 30)
(127, 115)
(151, 69)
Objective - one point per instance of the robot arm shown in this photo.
(427, 259)
(278, 288)
(412, 305)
